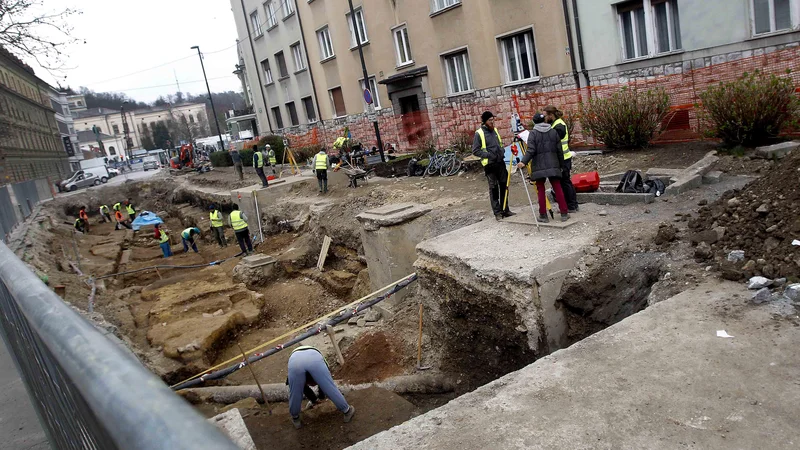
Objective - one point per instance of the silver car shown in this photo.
(150, 165)
(82, 180)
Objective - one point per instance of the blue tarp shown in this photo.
(146, 218)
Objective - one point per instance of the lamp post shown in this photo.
(213, 110)
(125, 131)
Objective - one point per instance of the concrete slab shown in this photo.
(392, 215)
(703, 166)
(258, 260)
(712, 177)
(683, 184)
(527, 219)
(658, 379)
(614, 198)
(232, 424)
(657, 172)
(777, 151)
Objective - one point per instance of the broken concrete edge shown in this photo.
(392, 215)
(231, 423)
(614, 198)
(712, 177)
(683, 184)
(777, 151)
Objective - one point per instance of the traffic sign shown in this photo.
(367, 96)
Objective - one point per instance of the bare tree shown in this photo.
(29, 30)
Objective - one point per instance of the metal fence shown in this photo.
(27, 196)
(8, 217)
(88, 393)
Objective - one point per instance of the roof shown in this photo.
(405, 75)
(88, 136)
(16, 60)
(92, 112)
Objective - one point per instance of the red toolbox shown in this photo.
(586, 182)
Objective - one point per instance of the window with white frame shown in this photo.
(402, 47)
(269, 10)
(649, 27)
(283, 72)
(373, 90)
(308, 105)
(267, 72)
(299, 57)
(255, 21)
(337, 102)
(325, 43)
(772, 15)
(359, 30)
(519, 57)
(288, 7)
(438, 5)
(458, 72)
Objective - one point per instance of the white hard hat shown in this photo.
(267, 146)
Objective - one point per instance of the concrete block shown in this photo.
(390, 215)
(656, 172)
(712, 177)
(614, 198)
(258, 260)
(703, 166)
(683, 184)
(231, 423)
(777, 151)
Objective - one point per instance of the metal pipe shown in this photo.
(580, 42)
(567, 21)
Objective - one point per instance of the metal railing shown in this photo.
(88, 392)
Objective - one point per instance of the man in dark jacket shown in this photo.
(488, 146)
(547, 158)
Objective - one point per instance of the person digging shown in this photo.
(544, 152)
(307, 367)
(187, 236)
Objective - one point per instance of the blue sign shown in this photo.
(367, 96)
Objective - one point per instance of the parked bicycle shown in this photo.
(447, 163)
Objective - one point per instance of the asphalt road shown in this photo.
(119, 179)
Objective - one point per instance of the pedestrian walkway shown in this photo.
(19, 424)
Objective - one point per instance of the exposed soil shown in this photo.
(372, 357)
(762, 219)
(670, 156)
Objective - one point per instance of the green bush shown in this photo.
(751, 110)
(221, 159)
(247, 157)
(627, 119)
(303, 154)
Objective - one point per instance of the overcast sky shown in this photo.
(127, 37)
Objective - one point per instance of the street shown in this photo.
(119, 179)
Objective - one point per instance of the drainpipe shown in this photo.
(255, 63)
(575, 74)
(310, 73)
(580, 42)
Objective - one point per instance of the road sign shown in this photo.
(367, 96)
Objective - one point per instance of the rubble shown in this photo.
(762, 295)
(758, 283)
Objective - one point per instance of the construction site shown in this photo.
(603, 331)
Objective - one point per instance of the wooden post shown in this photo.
(252, 372)
(332, 336)
(323, 254)
(159, 274)
(419, 340)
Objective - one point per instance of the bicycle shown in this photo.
(446, 163)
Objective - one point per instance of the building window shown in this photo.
(293, 114)
(115, 128)
(269, 10)
(308, 105)
(458, 72)
(267, 71)
(276, 113)
(634, 29)
(373, 90)
(438, 5)
(668, 28)
(360, 29)
(288, 8)
(325, 44)
(402, 47)
(144, 127)
(282, 70)
(771, 15)
(191, 118)
(337, 100)
(255, 21)
(519, 57)
(299, 57)
(112, 150)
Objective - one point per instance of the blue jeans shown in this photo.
(166, 249)
(310, 362)
(186, 243)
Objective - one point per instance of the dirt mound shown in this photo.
(372, 357)
(762, 219)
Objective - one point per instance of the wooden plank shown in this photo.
(323, 254)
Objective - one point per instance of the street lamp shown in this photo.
(213, 110)
(125, 130)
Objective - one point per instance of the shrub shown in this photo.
(247, 157)
(303, 154)
(751, 110)
(220, 159)
(627, 119)
(462, 142)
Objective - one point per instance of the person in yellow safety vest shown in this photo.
(187, 236)
(80, 225)
(307, 367)
(258, 164)
(117, 206)
(130, 209)
(163, 241)
(238, 221)
(321, 165)
(488, 146)
(553, 116)
(273, 161)
(217, 226)
(105, 213)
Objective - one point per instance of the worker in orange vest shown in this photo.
(83, 215)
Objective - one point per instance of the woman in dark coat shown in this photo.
(544, 151)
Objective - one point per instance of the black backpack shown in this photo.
(655, 186)
(631, 183)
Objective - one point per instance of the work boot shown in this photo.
(543, 218)
(348, 416)
(509, 213)
(576, 209)
(297, 423)
(564, 217)
(498, 216)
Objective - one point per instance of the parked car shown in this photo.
(81, 179)
(150, 163)
(112, 172)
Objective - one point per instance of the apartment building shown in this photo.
(275, 63)
(30, 143)
(140, 122)
(629, 40)
(66, 127)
